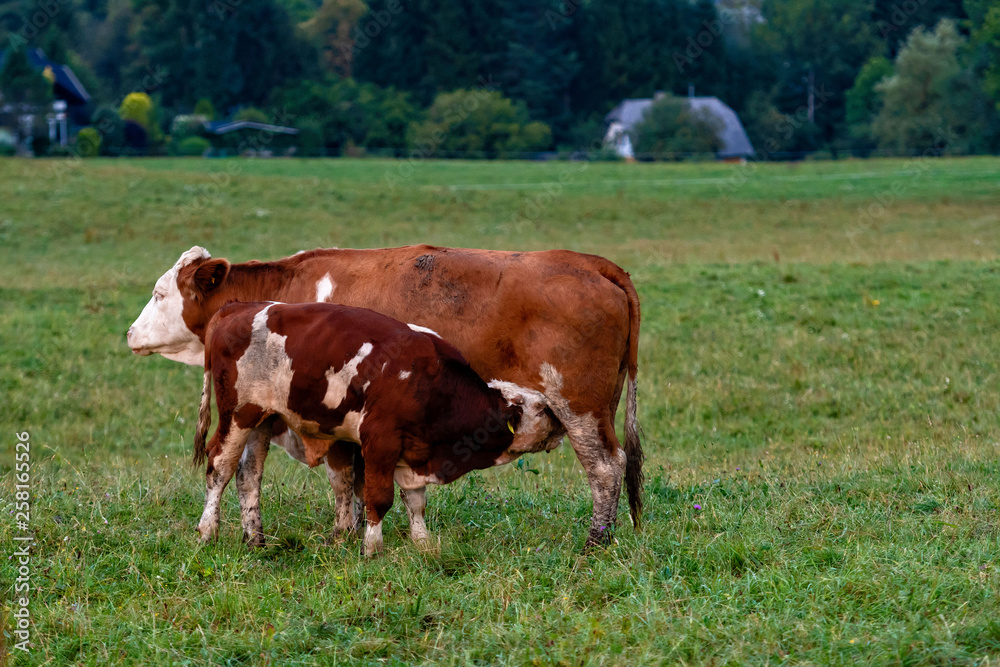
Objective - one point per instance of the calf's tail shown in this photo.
(204, 419)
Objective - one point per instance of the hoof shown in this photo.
(255, 542)
(598, 538)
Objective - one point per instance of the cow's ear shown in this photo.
(209, 277)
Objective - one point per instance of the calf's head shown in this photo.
(538, 429)
(173, 322)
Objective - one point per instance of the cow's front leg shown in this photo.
(249, 474)
(340, 471)
(416, 501)
(223, 458)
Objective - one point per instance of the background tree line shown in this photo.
(512, 75)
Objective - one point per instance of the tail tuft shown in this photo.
(204, 420)
(633, 454)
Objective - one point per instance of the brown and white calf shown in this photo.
(334, 373)
(562, 323)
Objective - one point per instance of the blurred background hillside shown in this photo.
(501, 78)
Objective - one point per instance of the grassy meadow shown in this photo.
(818, 391)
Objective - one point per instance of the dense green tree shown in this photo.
(479, 123)
(236, 53)
(21, 83)
(332, 30)
(522, 48)
(895, 19)
(931, 102)
(671, 126)
(770, 131)
(540, 62)
(205, 108)
(814, 50)
(633, 49)
(109, 49)
(863, 100)
(348, 113)
(986, 37)
(112, 130)
(429, 46)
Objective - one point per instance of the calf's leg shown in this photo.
(340, 471)
(224, 453)
(249, 473)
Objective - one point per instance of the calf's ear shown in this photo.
(208, 277)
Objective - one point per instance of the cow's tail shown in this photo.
(633, 447)
(204, 418)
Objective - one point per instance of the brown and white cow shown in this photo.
(558, 322)
(335, 373)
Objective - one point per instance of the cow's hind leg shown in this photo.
(249, 474)
(359, 489)
(603, 459)
(340, 472)
(223, 457)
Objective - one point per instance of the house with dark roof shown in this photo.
(70, 108)
(623, 119)
(65, 85)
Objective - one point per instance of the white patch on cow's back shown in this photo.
(417, 327)
(264, 372)
(404, 374)
(160, 327)
(324, 288)
(338, 381)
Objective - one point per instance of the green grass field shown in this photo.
(817, 374)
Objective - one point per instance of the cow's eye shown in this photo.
(157, 297)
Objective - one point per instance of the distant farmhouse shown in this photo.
(623, 119)
(71, 106)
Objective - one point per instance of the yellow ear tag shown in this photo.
(510, 427)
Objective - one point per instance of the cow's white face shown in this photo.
(160, 328)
